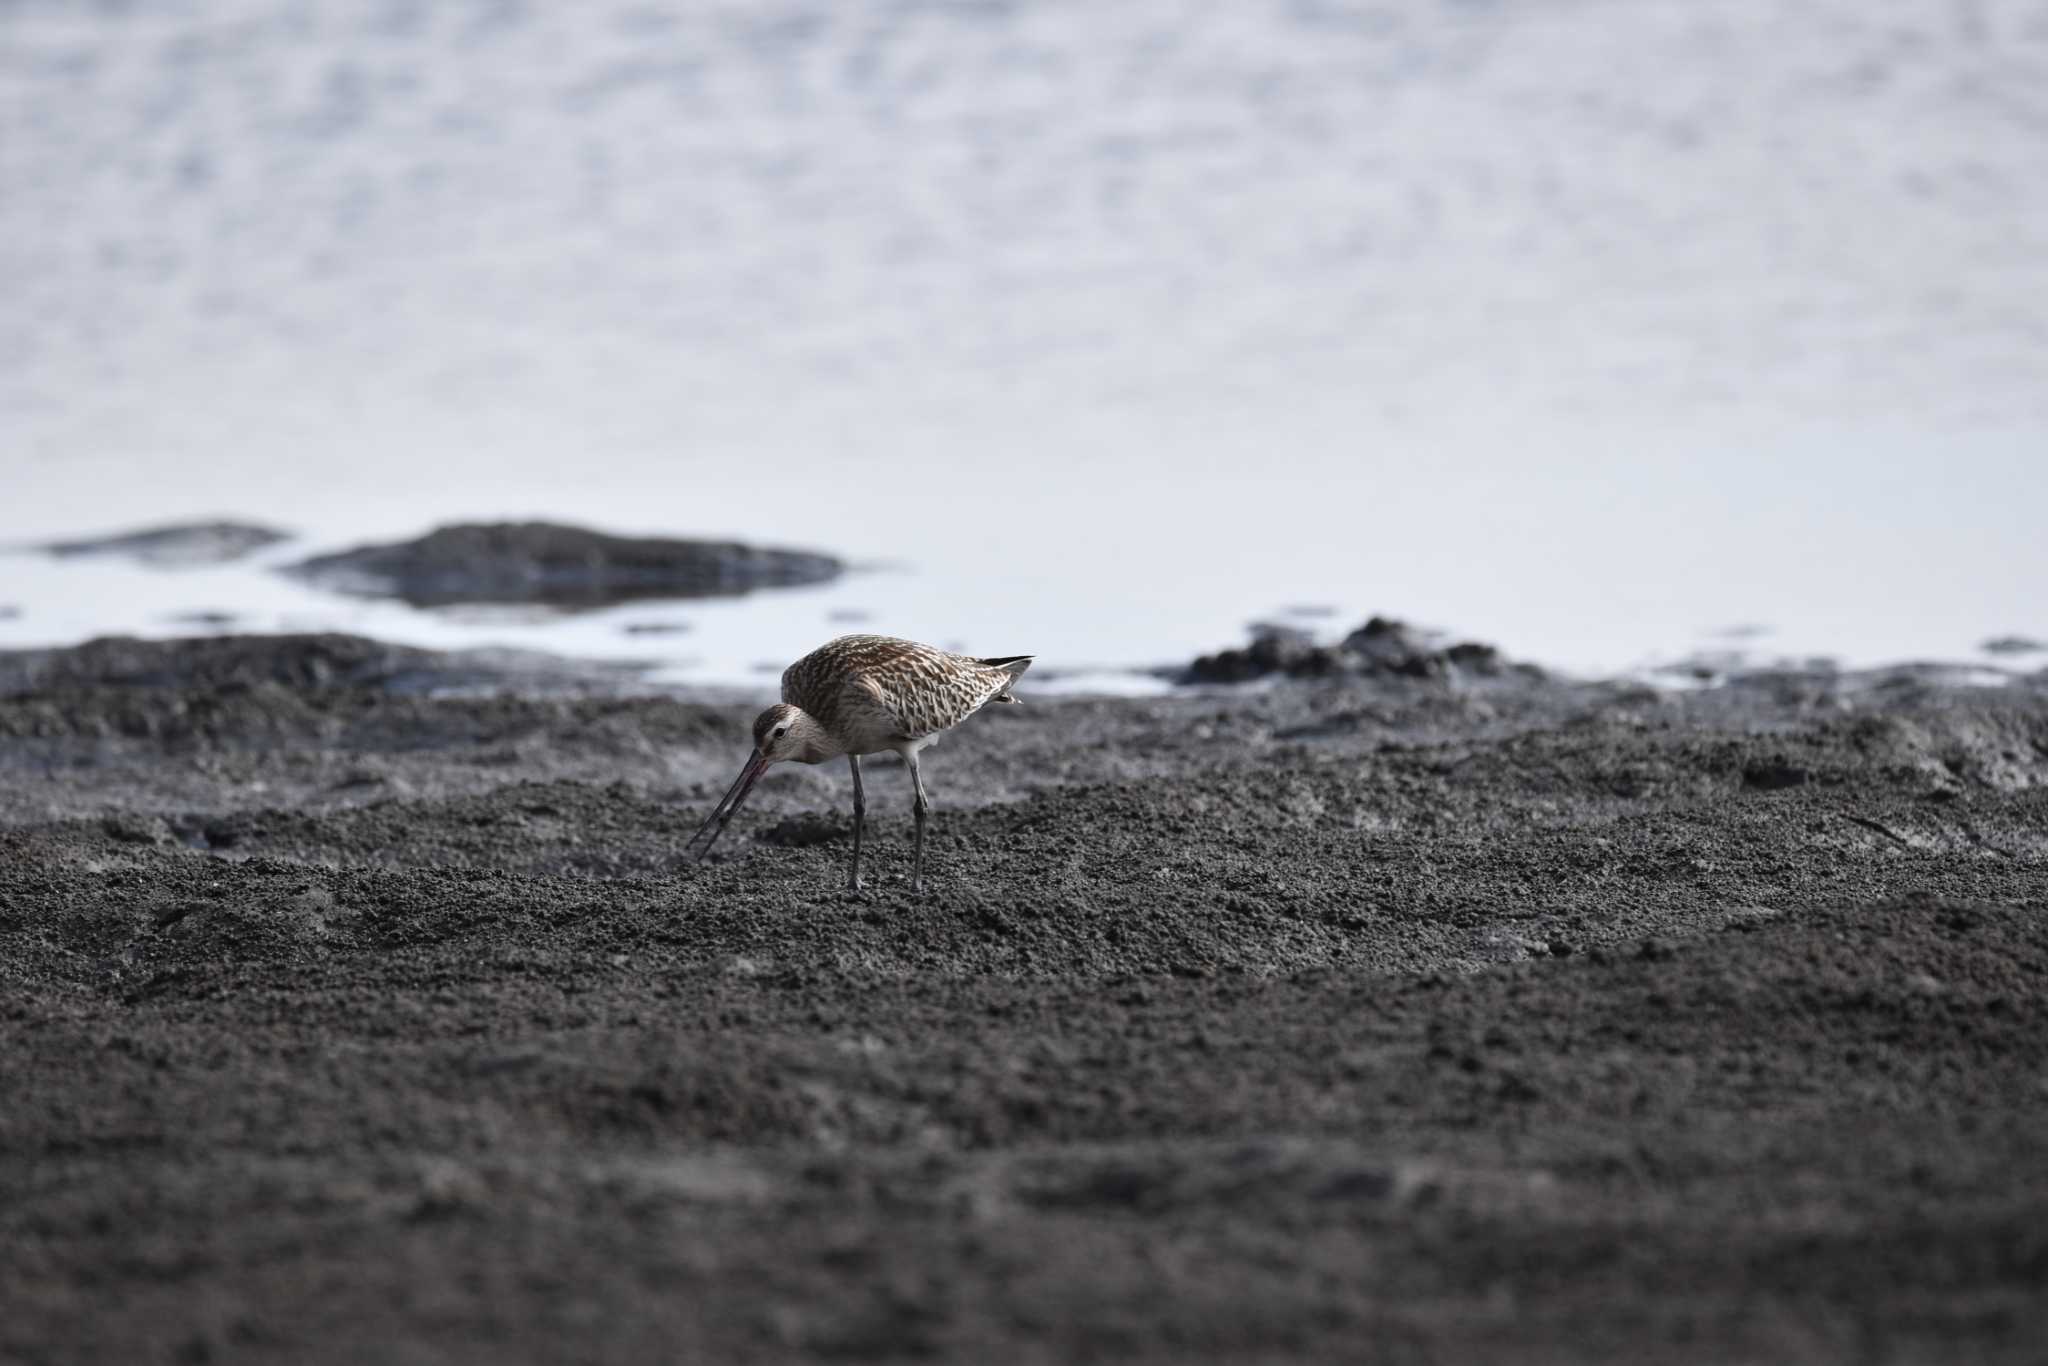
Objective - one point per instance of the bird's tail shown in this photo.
(1014, 666)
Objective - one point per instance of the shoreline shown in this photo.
(578, 593)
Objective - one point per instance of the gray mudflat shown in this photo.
(562, 566)
(75, 686)
(176, 545)
(1409, 1018)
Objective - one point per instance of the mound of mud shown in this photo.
(160, 727)
(236, 661)
(309, 663)
(553, 565)
(178, 545)
(1380, 648)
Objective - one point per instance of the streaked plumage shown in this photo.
(861, 695)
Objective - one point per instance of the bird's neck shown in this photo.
(818, 748)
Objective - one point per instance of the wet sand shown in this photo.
(1419, 1019)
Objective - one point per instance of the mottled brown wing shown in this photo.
(926, 696)
(881, 688)
(818, 682)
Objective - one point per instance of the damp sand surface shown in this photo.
(1430, 1019)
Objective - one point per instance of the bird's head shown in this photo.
(784, 732)
(781, 732)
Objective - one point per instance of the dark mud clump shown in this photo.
(560, 566)
(216, 664)
(2014, 645)
(208, 663)
(1380, 648)
(191, 728)
(1553, 1022)
(179, 545)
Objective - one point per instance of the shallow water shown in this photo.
(1594, 330)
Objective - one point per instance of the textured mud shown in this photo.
(1381, 648)
(1427, 1019)
(178, 545)
(555, 565)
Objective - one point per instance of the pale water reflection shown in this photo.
(1589, 330)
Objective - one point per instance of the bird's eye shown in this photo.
(780, 731)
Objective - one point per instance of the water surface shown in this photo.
(1592, 329)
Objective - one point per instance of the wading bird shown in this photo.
(861, 695)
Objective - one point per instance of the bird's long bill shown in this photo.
(735, 797)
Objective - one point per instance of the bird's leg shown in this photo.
(860, 814)
(923, 805)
